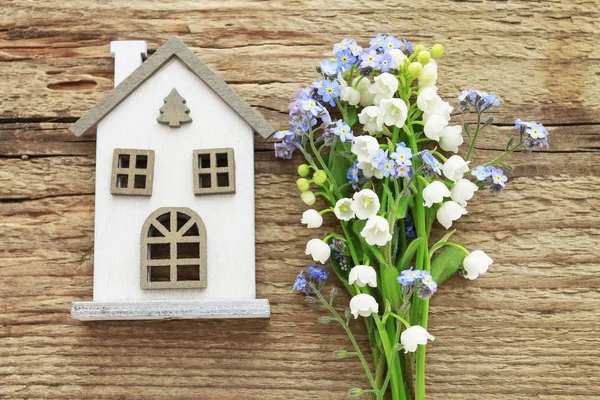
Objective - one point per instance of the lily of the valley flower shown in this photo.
(365, 148)
(392, 112)
(363, 305)
(398, 56)
(412, 337)
(363, 85)
(376, 231)
(451, 137)
(368, 117)
(318, 250)
(476, 263)
(463, 191)
(370, 170)
(429, 75)
(343, 209)
(449, 211)
(365, 204)
(435, 193)
(434, 127)
(350, 95)
(384, 87)
(455, 168)
(312, 219)
(363, 275)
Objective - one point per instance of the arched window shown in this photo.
(173, 250)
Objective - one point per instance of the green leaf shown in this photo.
(510, 143)
(389, 286)
(357, 226)
(409, 254)
(402, 207)
(351, 116)
(339, 167)
(446, 264)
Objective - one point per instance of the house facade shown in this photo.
(174, 216)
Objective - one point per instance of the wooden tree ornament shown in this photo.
(174, 112)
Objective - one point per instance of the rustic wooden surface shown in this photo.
(529, 329)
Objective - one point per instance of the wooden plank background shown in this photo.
(529, 329)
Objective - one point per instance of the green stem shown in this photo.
(472, 144)
(442, 244)
(396, 378)
(359, 353)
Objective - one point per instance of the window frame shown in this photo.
(173, 237)
(131, 171)
(213, 170)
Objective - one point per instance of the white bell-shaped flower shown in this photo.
(451, 137)
(343, 209)
(318, 250)
(398, 56)
(365, 204)
(435, 193)
(392, 112)
(450, 211)
(370, 169)
(363, 305)
(351, 95)
(434, 127)
(476, 263)
(412, 337)
(463, 191)
(363, 275)
(312, 219)
(455, 168)
(368, 117)
(365, 148)
(376, 231)
(384, 87)
(362, 85)
(429, 75)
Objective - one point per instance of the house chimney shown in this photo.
(128, 54)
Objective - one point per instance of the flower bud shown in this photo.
(415, 69)
(303, 170)
(319, 177)
(308, 198)
(348, 313)
(303, 184)
(324, 320)
(424, 57)
(418, 48)
(355, 392)
(437, 50)
(333, 293)
(340, 354)
(310, 299)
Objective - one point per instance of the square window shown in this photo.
(222, 160)
(188, 273)
(132, 172)
(188, 250)
(141, 161)
(159, 251)
(204, 160)
(159, 273)
(214, 171)
(124, 160)
(204, 181)
(139, 182)
(223, 179)
(122, 181)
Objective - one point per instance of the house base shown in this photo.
(170, 309)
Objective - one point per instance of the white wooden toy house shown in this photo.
(174, 222)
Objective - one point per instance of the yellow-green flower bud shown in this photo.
(418, 48)
(303, 184)
(319, 177)
(424, 57)
(355, 392)
(415, 69)
(308, 198)
(303, 170)
(437, 50)
(340, 354)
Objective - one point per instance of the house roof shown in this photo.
(173, 48)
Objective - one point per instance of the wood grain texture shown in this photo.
(528, 330)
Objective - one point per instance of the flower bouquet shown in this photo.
(376, 135)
